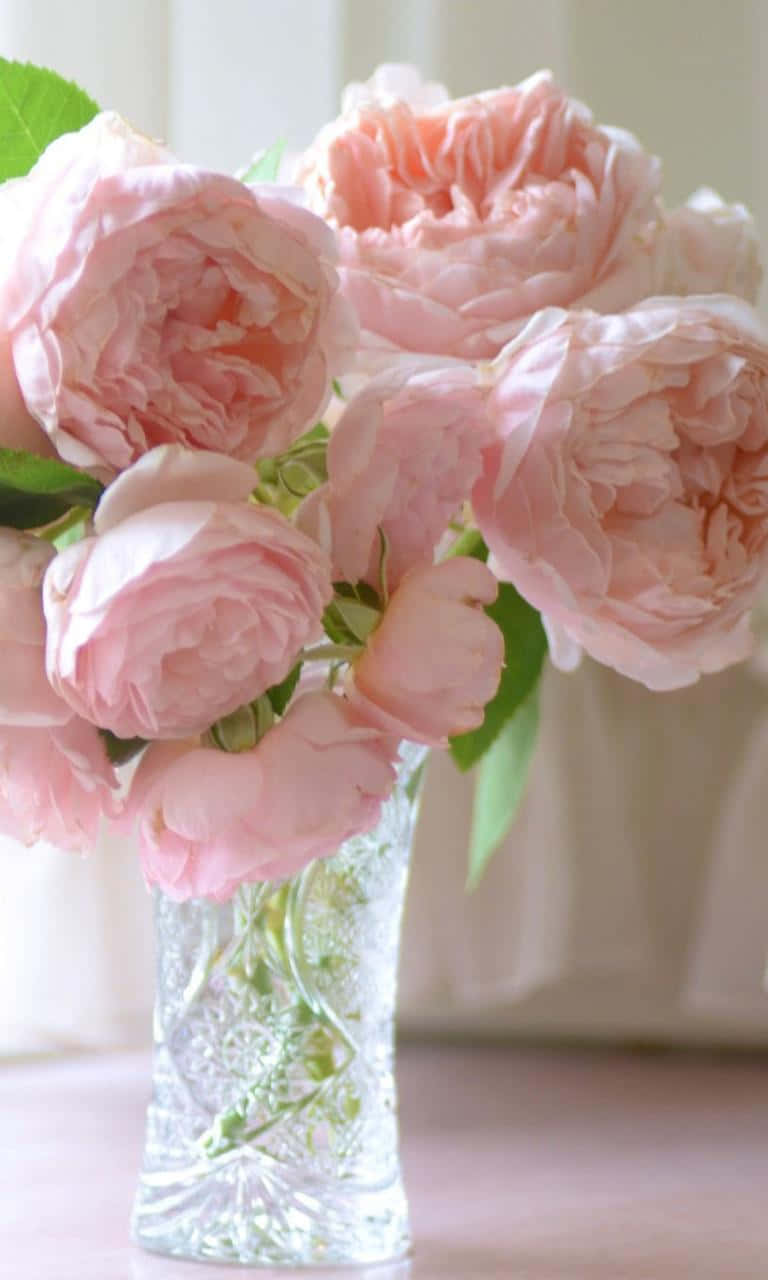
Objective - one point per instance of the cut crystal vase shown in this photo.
(272, 1131)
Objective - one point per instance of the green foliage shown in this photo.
(469, 543)
(121, 750)
(414, 782)
(317, 434)
(288, 477)
(352, 614)
(280, 694)
(525, 644)
(383, 564)
(35, 491)
(500, 782)
(267, 167)
(36, 106)
(70, 528)
(240, 730)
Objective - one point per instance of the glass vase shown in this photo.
(272, 1131)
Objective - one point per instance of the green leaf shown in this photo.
(336, 627)
(36, 106)
(317, 433)
(267, 167)
(353, 614)
(362, 591)
(121, 750)
(499, 785)
(525, 644)
(469, 543)
(35, 491)
(280, 694)
(414, 782)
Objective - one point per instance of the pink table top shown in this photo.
(521, 1165)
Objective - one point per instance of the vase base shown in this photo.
(397, 1267)
(237, 1219)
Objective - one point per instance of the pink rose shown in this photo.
(18, 429)
(627, 497)
(435, 658)
(707, 246)
(56, 781)
(26, 697)
(393, 82)
(457, 221)
(179, 611)
(209, 821)
(402, 458)
(56, 784)
(150, 302)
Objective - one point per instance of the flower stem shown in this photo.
(326, 652)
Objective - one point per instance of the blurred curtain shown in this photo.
(632, 898)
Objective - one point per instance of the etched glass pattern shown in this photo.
(272, 1130)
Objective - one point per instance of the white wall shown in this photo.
(605, 917)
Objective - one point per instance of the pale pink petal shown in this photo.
(402, 458)
(172, 473)
(435, 659)
(148, 302)
(208, 821)
(182, 612)
(626, 496)
(458, 220)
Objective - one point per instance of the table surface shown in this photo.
(521, 1164)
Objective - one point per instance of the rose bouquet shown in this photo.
(292, 475)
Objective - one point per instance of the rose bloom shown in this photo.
(26, 696)
(707, 246)
(435, 659)
(56, 784)
(401, 459)
(209, 821)
(458, 220)
(627, 496)
(179, 611)
(149, 302)
(704, 246)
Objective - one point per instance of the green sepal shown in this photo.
(362, 591)
(469, 543)
(72, 527)
(121, 750)
(242, 729)
(316, 434)
(287, 478)
(301, 476)
(383, 564)
(353, 614)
